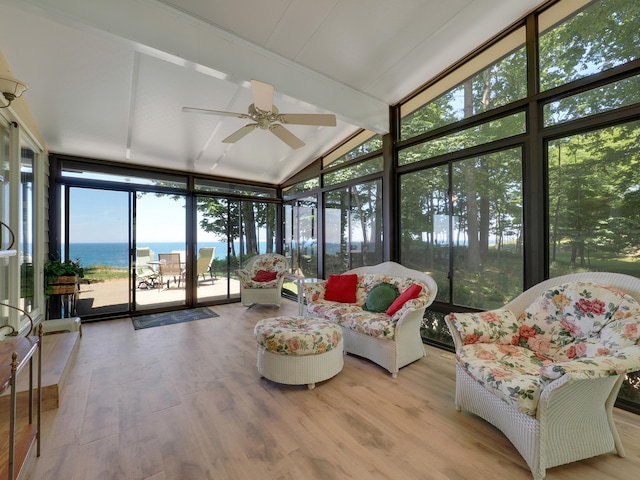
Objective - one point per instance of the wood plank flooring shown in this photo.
(184, 402)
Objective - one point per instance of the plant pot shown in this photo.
(64, 284)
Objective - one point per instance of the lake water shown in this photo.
(116, 254)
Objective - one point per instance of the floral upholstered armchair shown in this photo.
(262, 278)
(547, 367)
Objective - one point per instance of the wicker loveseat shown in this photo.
(547, 367)
(391, 341)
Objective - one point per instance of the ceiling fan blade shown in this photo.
(262, 95)
(320, 119)
(238, 134)
(286, 136)
(214, 112)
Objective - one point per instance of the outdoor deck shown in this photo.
(112, 296)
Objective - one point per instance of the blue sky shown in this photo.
(101, 216)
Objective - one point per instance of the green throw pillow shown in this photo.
(381, 297)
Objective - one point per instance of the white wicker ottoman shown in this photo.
(298, 350)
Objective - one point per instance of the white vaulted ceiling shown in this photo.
(108, 78)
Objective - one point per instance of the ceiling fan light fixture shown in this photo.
(11, 89)
(264, 113)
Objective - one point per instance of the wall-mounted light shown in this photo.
(11, 89)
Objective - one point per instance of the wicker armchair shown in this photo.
(262, 278)
(547, 367)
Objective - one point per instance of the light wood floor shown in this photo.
(185, 402)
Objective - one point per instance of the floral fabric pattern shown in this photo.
(377, 325)
(298, 335)
(497, 326)
(266, 262)
(562, 320)
(352, 315)
(510, 372)
(579, 329)
(624, 361)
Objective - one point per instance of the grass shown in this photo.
(100, 273)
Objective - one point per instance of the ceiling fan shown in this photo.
(264, 113)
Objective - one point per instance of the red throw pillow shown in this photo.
(265, 276)
(341, 288)
(409, 294)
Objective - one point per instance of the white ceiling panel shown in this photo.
(108, 79)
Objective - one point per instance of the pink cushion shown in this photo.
(409, 294)
(265, 276)
(341, 288)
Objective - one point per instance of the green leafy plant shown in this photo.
(53, 269)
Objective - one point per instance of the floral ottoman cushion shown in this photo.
(298, 335)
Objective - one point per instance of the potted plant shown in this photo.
(62, 277)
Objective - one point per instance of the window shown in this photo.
(300, 236)
(580, 38)
(597, 100)
(495, 78)
(21, 190)
(481, 134)
(353, 227)
(352, 172)
(225, 188)
(301, 187)
(364, 143)
(6, 238)
(27, 230)
(425, 235)
(472, 246)
(594, 200)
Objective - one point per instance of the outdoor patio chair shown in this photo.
(204, 264)
(146, 275)
(170, 268)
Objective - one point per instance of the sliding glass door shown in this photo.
(159, 229)
(97, 236)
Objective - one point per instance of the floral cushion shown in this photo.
(378, 325)
(495, 326)
(263, 263)
(333, 311)
(568, 315)
(510, 372)
(579, 329)
(624, 361)
(297, 335)
(269, 262)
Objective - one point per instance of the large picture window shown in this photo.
(594, 200)
(353, 227)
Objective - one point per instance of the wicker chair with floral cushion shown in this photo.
(262, 278)
(547, 367)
